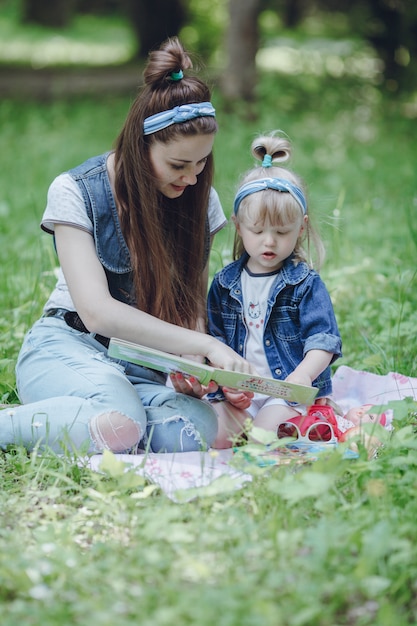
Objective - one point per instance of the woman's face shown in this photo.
(178, 163)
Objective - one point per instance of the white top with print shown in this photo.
(255, 292)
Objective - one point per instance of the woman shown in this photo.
(132, 231)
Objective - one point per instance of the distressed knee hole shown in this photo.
(114, 431)
(186, 438)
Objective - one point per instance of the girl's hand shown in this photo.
(240, 399)
(313, 364)
(299, 379)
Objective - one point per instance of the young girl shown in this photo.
(132, 229)
(269, 304)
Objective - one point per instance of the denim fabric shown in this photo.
(299, 318)
(112, 251)
(65, 379)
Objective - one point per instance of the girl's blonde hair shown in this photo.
(279, 208)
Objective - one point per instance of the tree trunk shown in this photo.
(240, 76)
(395, 39)
(293, 12)
(155, 20)
(56, 14)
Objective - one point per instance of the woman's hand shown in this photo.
(221, 356)
(190, 386)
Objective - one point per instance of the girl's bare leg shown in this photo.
(270, 417)
(231, 423)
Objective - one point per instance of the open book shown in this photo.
(165, 362)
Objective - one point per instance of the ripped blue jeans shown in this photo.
(74, 396)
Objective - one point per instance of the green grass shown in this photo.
(331, 544)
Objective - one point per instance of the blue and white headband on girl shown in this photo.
(177, 115)
(277, 184)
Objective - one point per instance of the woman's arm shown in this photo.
(202, 317)
(103, 314)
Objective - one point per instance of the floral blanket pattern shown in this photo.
(183, 476)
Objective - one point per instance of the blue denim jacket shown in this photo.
(112, 251)
(299, 318)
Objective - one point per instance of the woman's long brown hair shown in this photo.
(166, 237)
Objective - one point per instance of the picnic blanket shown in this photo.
(182, 476)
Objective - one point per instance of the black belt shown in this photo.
(73, 320)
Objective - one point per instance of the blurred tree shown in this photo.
(390, 26)
(56, 14)
(152, 20)
(155, 20)
(291, 12)
(97, 7)
(242, 42)
(392, 30)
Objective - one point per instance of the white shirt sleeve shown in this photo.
(65, 205)
(217, 218)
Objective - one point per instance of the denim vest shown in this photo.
(299, 318)
(112, 251)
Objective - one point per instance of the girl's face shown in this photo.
(178, 163)
(268, 245)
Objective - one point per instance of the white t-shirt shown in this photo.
(65, 205)
(255, 292)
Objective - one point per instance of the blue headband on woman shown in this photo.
(177, 115)
(277, 184)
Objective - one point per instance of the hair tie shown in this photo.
(267, 161)
(177, 75)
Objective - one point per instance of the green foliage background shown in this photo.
(327, 544)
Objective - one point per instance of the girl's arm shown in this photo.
(103, 314)
(313, 364)
(319, 333)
